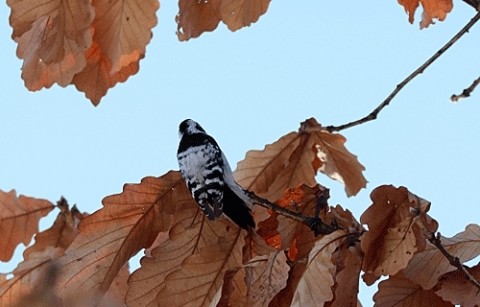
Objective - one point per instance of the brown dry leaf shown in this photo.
(197, 16)
(454, 287)
(294, 160)
(41, 282)
(27, 284)
(149, 279)
(399, 291)
(29, 276)
(237, 14)
(61, 234)
(115, 296)
(162, 237)
(267, 275)
(191, 240)
(281, 232)
(123, 29)
(349, 264)
(428, 266)
(52, 37)
(19, 218)
(397, 230)
(255, 246)
(96, 78)
(268, 230)
(34, 282)
(315, 286)
(200, 276)
(343, 218)
(432, 9)
(127, 223)
(268, 278)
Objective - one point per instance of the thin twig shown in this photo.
(455, 261)
(315, 223)
(472, 3)
(466, 92)
(373, 115)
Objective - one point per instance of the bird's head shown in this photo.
(189, 126)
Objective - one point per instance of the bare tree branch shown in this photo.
(315, 223)
(435, 240)
(466, 92)
(373, 115)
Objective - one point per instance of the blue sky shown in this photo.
(305, 59)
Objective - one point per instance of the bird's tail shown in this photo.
(210, 200)
(236, 209)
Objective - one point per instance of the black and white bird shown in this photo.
(209, 177)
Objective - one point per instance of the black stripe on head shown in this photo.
(189, 126)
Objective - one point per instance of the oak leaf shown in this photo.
(188, 266)
(343, 218)
(123, 30)
(25, 286)
(34, 283)
(197, 16)
(52, 37)
(149, 279)
(40, 260)
(237, 14)
(348, 260)
(200, 275)
(96, 77)
(315, 286)
(432, 9)
(61, 234)
(299, 251)
(19, 218)
(398, 228)
(454, 287)
(294, 160)
(282, 232)
(127, 223)
(279, 231)
(427, 266)
(267, 275)
(400, 291)
(115, 296)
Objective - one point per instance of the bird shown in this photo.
(209, 177)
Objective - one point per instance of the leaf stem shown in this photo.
(314, 223)
(373, 115)
(455, 261)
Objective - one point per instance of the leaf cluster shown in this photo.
(94, 45)
(189, 260)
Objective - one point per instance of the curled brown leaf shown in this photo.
(52, 37)
(294, 160)
(396, 231)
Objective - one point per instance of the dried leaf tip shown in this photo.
(310, 125)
